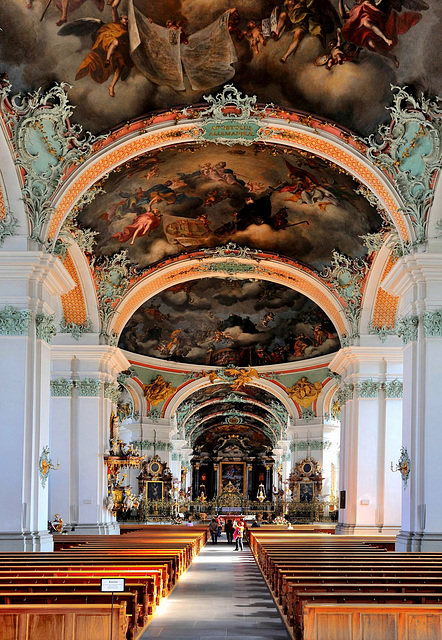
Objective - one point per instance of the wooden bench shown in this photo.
(372, 622)
(62, 622)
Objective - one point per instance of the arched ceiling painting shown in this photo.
(161, 67)
(293, 204)
(218, 322)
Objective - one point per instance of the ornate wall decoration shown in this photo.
(403, 466)
(344, 393)
(409, 150)
(154, 415)
(432, 321)
(307, 414)
(373, 241)
(8, 224)
(45, 464)
(88, 387)
(368, 388)
(46, 145)
(231, 250)
(241, 377)
(112, 277)
(112, 392)
(158, 391)
(382, 332)
(231, 118)
(407, 327)
(61, 388)
(394, 389)
(304, 392)
(14, 322)
(347, 276)
(315, 445)
(45, 327)
(76, 330)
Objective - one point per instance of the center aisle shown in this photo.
(223, 594)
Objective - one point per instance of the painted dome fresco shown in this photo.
(221, 322)
(165, 46)
(293, 204)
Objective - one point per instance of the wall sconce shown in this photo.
(403, 466)
(45, 464)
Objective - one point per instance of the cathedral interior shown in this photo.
(221, 266)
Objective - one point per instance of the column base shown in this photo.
(343, 529)
(418, 541)
(26, 541)
(100, 528)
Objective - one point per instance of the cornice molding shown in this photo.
(36, 265)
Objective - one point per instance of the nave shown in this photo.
(174, 584)
(223, 594)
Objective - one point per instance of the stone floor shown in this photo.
(222, 595)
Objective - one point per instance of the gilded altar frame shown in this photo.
(234, 472)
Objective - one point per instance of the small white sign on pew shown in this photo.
(114, 585)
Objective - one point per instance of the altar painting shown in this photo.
(234, 473)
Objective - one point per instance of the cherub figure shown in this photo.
(253, 33)
(243, 377)
(336, 55)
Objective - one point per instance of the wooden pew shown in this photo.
(62, 622)
(372, 622)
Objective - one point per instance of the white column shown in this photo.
(80, 431)
(30, 285)
(370, 432)
(417, 279)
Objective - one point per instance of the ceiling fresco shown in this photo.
(219, 322)
(219, 391)
(135, 56)
(230, 441)
(292, 204)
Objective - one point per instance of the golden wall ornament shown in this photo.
(158, 391)
(45, 464)
(304, 392)
(242, 377)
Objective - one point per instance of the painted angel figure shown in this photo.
(306, 189)
(377, 24)
(110, 53)
(315, 18)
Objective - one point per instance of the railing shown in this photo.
(166, 510)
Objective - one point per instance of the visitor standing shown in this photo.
(213, 528)
(229, 528)
(238, 536)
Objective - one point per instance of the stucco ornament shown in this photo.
(46, 145)
(113, 276)
(344, 393)
(45, 464)
(8, 225)
(394, 389)
(407, 327)
(382, 332)
(76, 330)
(368, 388)
(307, 414)
(403, 466)
(45, 327)
(61, 388)
(14, 322)
(304, 392)
(432, 321)
(112, 392)
(158, 391)
(346, 277)
(231, 118)
(409, 150)
(88, 387)
(231, 250)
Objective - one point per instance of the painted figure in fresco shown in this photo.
(376, 25)
(306, 189)
(110, 52)
(304, 17)
(253, 33)
(141, 225)
(336, 48)
(66, 6)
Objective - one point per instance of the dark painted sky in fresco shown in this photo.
(259, 322)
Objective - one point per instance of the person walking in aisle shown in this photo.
(229, 531)
(213, 528)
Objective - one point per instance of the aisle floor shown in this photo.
(223, 594)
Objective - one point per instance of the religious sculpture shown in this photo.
(158, 391)
(304, 392)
